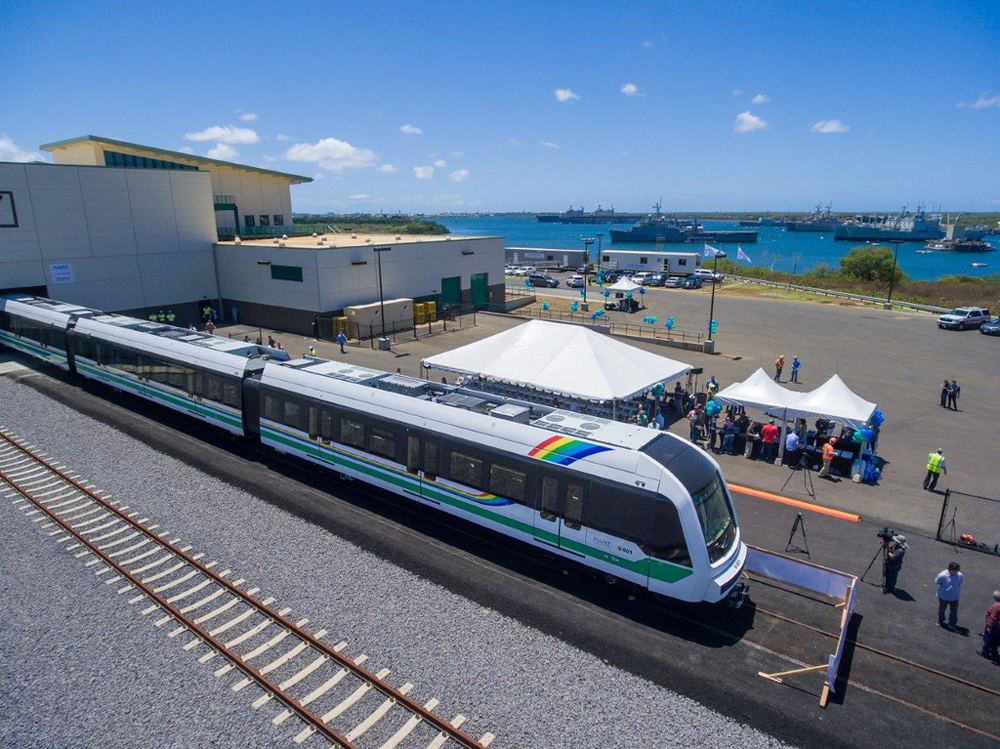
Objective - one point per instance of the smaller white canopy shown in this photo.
(571, 360)
(759, 391)
(624, 284)
(835, 401)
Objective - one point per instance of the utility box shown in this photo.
(431, 309)
(367, 318)
(419, 313)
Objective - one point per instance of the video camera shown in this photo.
(888, 535)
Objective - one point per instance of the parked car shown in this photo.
(964, 317)
(673, 282)
(611, 276)
(991, 328)
(508, 270)
(692, 282)
(518, 271)
(707, 274)
(641, 278)
(656, 279)
(575, 281)
(585, 269)
(543, 279)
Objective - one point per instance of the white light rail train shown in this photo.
(630, 502)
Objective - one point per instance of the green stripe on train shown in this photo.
(30, 347)
(657, 569)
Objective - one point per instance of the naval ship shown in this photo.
(820, 220)
(903, 227)
(580, 216)
(658, 227)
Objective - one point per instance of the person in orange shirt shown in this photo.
(827, 457)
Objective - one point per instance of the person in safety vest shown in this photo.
(936, 465)
(152, 316)
(171, 316)
(161, 316)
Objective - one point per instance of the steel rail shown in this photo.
(443, 726)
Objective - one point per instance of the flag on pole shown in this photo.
(741, 255)
(711, 251)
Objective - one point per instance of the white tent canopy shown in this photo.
(624, 284)
(835, 401)
(759, 391)
(571, 360)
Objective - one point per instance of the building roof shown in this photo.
(344, 240)
(294, 179)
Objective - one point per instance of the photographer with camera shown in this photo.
(895, 549)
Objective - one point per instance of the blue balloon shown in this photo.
(593, 316)
(653, 319)
(574, 306)
(642, 289)
(527, 282)
(607, 293)
(583, 291)
(545, 305)
(628, 294)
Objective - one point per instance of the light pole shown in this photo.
(600, 237)
(892, 279)
(587, 241)
(383, 342)
(710, 349)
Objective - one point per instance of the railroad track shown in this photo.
(224, 620)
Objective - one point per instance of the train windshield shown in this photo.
(715, 516)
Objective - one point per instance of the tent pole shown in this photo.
(784, 426)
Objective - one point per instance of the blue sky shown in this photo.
(735, 106)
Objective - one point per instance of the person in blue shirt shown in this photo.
(795, 369)
(342, 339)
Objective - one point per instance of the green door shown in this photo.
(480, 289)
(451, 291)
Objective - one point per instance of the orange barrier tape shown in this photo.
(850, 516)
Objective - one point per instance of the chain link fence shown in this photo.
(970, 521)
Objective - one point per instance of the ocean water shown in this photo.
(775, 248)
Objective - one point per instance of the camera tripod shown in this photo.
(807, 480)
(883, 549)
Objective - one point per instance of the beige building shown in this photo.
(248, 200)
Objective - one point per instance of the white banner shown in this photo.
(831, 672)
(61, 273)
(817, 579)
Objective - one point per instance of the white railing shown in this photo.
(842, 294)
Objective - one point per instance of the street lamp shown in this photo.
(383, 342)
(711, 307)
(892, 279)
(587, 241)
(600, 236)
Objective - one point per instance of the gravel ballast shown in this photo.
(532, 689)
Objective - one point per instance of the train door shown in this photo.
(572, 534)
(548, 519)
(413, 465)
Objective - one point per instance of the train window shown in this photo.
(231, 394)
(175, 375)
(292, 415)
(4, 320)
(506, 482)
(667, 538)
(431, 458)
(382, 442)
(272, 406)
(352, 432)
(83, 347)
(550, 498)
(215, 393)
(574, 505)
(158, 371)
(198, 384)
(313, 422)
(412, 453)
(465, 469)
(326, 424)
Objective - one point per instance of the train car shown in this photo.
(633, 503)
(195, 373)
(37, 327)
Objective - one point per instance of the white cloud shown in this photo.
(423, 172)
(456, 154)
(284, 138)
(566, 95)
(388, 169)
(186, 149)
(760, 99)
(10, 151)
(510, 143)
(222, 151)
(982, 102)
(460, 175)
(440, 163)
(246, 116)
(747, 123)
(829, 126)
(630, 89)
(225, 134)
(549, 144)
(318, 176)
(411, 130)
(359, 196)
(333, 155)
(648, 44)
(737, 92)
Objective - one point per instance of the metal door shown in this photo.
(480, 289)
(451, 290)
